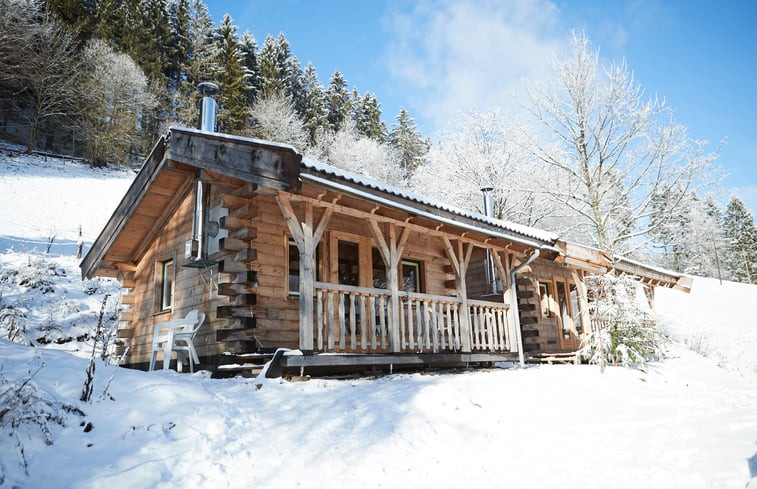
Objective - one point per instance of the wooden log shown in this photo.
(233, 289)
(129, 299)
(525, 294)
(235, 312)
(230, 266)
(232, 244)
(232, 223)
(127, 282)
(245, 234)
(246, 255)
(246, 277)
(528, 320)
(125, 333)
(243, 300)
(234, 202)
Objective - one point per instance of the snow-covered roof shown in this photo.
(354, 178)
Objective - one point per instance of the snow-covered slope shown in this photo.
(690, 421)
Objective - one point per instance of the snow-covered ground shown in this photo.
(689, 421)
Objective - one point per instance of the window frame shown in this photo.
(418, 265)
(165, 274)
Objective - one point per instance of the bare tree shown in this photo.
(275, 118)
(51, 76)
(485, 149)
(19, 21)
(346, 149)
(616, 153)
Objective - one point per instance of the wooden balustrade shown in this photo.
(358, 319)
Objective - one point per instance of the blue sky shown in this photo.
(438, 58)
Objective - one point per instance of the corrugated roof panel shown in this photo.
(332, 171)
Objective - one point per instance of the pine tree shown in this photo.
(314, 118)
(296, 85)
(274, 70)
(200, 65)
(741, 235)
(368, 119)
(249, 50)
(338, 105)
(79, 14)
(408, 141)
(235, 112)
(180, 15)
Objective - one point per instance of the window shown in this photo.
(379, 270)
(348, 259)
(293, 261)
(411, 276)
(545, 299)
(166, 278)
(575, 308)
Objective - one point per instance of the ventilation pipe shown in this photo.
(209, 106)
(489, 270)
(196, 249)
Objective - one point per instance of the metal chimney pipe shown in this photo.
(490, 272)
(208, 110)
(488, 201)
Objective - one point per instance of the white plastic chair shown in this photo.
(177, 335)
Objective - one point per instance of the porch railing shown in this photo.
(358, 319)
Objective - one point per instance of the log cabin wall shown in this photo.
(191, 289)
(540, 331)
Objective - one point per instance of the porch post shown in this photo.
(460, 261)
(306, 239)
(391, 253)
(503, 269)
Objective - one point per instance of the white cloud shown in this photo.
(451, 56)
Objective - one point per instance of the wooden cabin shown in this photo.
(282, 251)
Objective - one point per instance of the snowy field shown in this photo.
(689, 421)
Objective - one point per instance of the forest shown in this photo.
(594, 159)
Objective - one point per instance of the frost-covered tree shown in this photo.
(368, 118)
(275, 118)
(348, 150)
(19, 23)
(248, 47)
(115, 94)
(623, 333)
(484, 149)
(616, 151)
(201, 64)
(314, 118)
(741, 236)
(50, 77)
(692, 241)
(338, 105)
(273, 60)
(408, 142)
(231, 77)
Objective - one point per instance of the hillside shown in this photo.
(689, 421)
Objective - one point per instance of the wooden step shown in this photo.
(562, 358)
